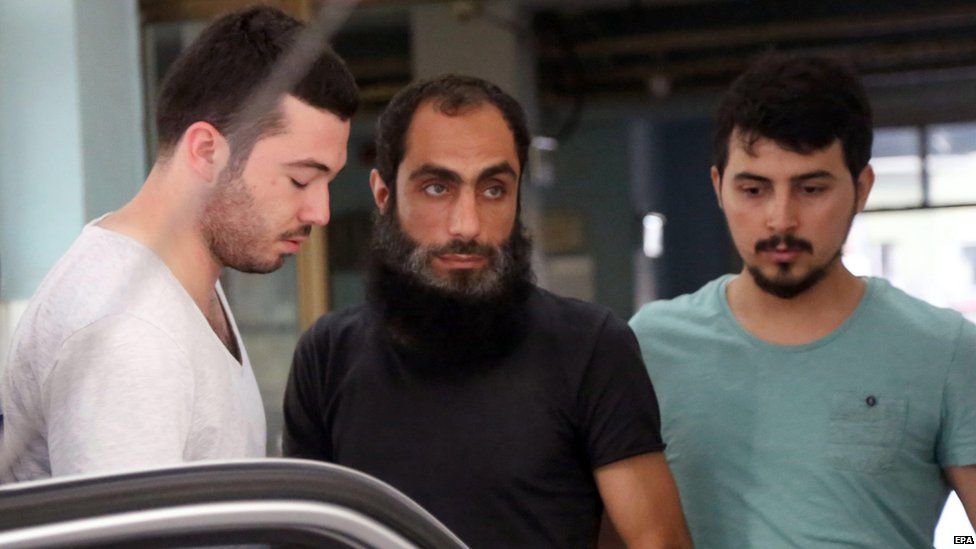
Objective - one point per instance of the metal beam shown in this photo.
(867, 57)
(804, 30)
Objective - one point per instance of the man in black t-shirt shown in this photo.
(511, 414)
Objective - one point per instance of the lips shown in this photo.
(783, 248)
(293, 244)
(462, 261)
(783, 256)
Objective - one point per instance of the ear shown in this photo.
(717, 185)
(863, 186)
(205, 150)
(381, 193)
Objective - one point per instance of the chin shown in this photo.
(260, 267)
(452, 274)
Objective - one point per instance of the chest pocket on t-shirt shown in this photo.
(866, 430)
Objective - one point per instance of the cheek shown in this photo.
(272, 203)
(836, 235)
(832, 224)
(744, 227)
(497, 223)
(422, 222)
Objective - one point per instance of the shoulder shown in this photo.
(120, 331)
(100, 258)
(580, 333)
(119, 346)
(908, 315)
(336, 327)
(101, 275)
(694, 309)
(566, 314)
(339, 322)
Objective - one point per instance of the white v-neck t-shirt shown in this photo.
(114, 367)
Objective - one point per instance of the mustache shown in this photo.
(303, 231)
(793, 243)
(469, 247)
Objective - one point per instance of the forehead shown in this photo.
(764, 154)
(310, 132)
(474, 136)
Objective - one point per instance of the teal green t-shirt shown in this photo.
(839, 442)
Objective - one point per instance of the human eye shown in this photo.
(812, 190)
(494, 192)
(297, 184)
(435, 189)
(751, 190)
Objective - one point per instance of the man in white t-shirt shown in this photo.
(128, 356)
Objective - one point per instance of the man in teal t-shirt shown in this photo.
(803, 406)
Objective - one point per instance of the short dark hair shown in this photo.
(801, 102)
(214, 77)
(450, 94)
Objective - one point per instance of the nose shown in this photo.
(315, 205)
(464, 222)
(781, 214)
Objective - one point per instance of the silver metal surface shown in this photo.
(326, 520)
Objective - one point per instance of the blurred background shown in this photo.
(619, 96)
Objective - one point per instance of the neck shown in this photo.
(165, 217)
(807, 317)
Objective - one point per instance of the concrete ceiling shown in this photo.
(662, 48)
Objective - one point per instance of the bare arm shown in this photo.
(642, 501)
(963, 481)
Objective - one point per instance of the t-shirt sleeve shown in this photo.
(304, 434)
(617, 401)
(957, 440)
(119, 396)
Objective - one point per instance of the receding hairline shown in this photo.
(460, 110)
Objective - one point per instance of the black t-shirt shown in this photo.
(502, 455)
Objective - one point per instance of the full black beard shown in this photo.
(434, 327)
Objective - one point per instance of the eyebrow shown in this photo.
(817, 174)
(502, 168)
(749, 176)
(453, 176)
(436, 171)
(309, 163)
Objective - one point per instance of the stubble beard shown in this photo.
(233, 229)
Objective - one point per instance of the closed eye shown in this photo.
(297, 183)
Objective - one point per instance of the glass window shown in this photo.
(897, 162)
(951, 163)
(928, 253)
